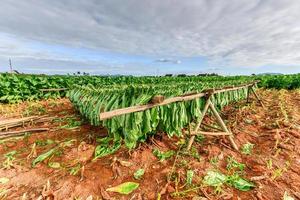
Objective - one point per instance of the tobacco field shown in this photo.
(59, 137)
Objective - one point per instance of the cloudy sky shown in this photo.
(142, 37)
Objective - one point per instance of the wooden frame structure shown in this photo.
(187, 97)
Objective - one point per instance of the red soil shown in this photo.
(275, 131)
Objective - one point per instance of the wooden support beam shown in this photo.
(257, 97)
(21, 132)
(212, 133)
(222, 124)
(122, 111)
(9, 123)
(248, 94)
(53, 89)
(198, 125)
(211, 127)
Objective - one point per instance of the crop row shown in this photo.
(16, 88)
(21, 87)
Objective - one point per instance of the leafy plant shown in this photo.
(10, 157)
(239, 183)
(74, 170)
(72, 123)
(124, 188)
(217, 179)
(132, 128)
(214, 161)
(44, 142)
(214, 178)
(54, 165)
(106, 147)
(279, 171)
(232, 164)
(269, 164)
(192, 152)
(139, 174)
(162, 156)
(247, 148)
(43, 157)
(189, 177)
(199, 138)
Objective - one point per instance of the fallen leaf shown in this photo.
(124, 188)
(54, 165)
(139, 174)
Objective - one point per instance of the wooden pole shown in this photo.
(211, 127)
(21, 132)
(122, 111)
(212, 133)
(53, 89)
(222, 124)
(198, 125)
(10, 66)
(257, 97)
(248, 94)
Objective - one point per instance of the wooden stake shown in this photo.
(248, 94)
(257, 97)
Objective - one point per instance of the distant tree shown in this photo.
(208, 74)
(181, 75)
(169, 75)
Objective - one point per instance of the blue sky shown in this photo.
(136, 37)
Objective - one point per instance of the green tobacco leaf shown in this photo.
(105, 149)
(124, 188)
(247, 148)
(214, 178)
(242, 184)
(232, 164)
(43, 157)
(10, 154)
(139, 173)
(163, 155)
(189, 176)
(74, 170)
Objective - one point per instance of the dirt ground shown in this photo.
(73, 173)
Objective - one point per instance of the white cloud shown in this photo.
(228, 32)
